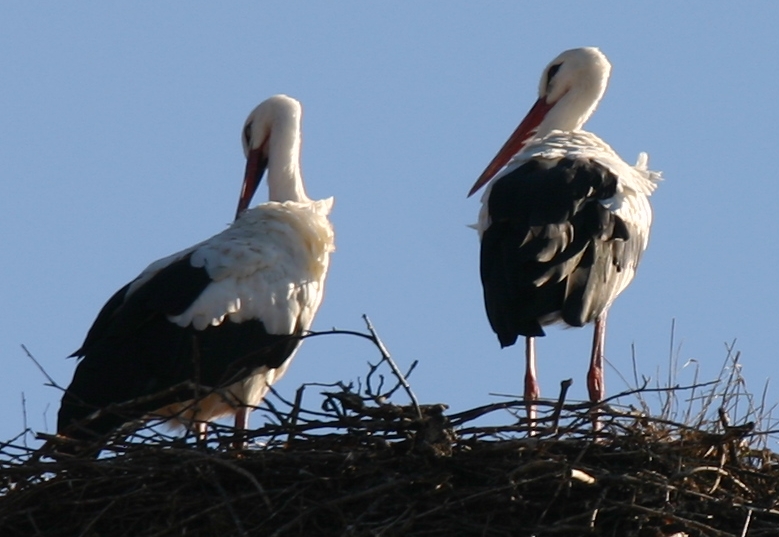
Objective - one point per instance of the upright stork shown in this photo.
(225, 314)
(564, 221)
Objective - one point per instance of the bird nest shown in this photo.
(362, 465)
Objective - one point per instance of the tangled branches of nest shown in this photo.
(361, 465)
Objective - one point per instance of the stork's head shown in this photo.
(570, 88)
(271, 127)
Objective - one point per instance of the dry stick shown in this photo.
(52, 383)
(564, 386)
(729, 359)
(291, 404)
(235, 468)
(733, 380)
(293, 416)
(341, 422)
(469, 415)
(88, 527)
(720, 472)
(565, 481)
(665, 411)
(641, 400)
(746, 523)
(385, 355)
(732, 434)
(24, 419)
(387, 358)
(44, 416)
(474, 413)
(764, 418)
(635, 366)
(227, 502)
(688, 414)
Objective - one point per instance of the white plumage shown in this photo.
(269, 265)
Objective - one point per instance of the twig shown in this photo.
(387, 358)
(51, 382)
(293, 416)
(385, 355)
(747, 521)
(564, 387)
(24, 419)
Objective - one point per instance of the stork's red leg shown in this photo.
(532, 390)
(595, 381)
(241, 426)
(200, 428)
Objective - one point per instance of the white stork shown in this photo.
(226, 313)
(564, 221)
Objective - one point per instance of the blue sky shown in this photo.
(120, 143)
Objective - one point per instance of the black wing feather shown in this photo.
(545, 244)
(133, 350)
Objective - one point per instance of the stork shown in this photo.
(564, 220)
(226, 313)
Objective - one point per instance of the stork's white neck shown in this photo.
(285, 182)
(571, 112)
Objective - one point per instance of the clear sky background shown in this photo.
(120, 144)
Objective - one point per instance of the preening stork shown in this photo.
(226, 313)
(564, 220)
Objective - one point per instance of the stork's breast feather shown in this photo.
(270, 265)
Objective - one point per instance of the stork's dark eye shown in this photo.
(247, 135)
(551, 73)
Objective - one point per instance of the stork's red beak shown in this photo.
(515, 142)
(256, 163)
